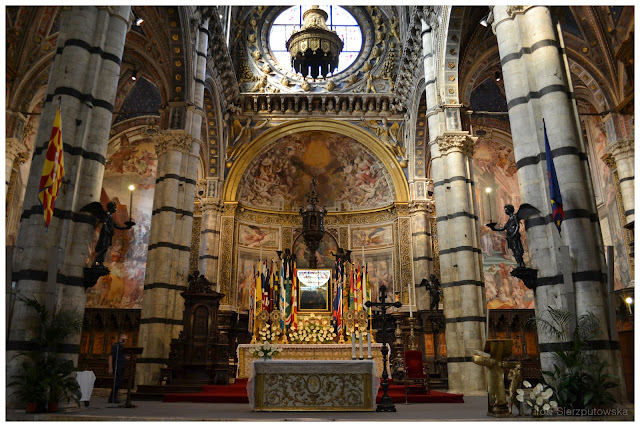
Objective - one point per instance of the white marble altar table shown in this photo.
(312, 385)
(310, 352)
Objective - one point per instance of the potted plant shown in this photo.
(30, 387)
(580, 379)
(45, 377)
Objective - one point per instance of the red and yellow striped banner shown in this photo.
(52, 171)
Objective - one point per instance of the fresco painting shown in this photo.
(495, 167)
(610, 210)
(131, 164)
(254, 236)
(380, 273)
(348, 177)
(371, 237)
(328, 245)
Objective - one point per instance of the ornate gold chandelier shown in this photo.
(314, 49)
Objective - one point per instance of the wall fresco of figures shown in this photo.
(349, 178)
(328, 246)
(495, 168)
(131, 164)
(608, 210)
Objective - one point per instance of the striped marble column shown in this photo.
(171, 223)
(536, 89)
(620, 133)
(421, 213)
(210, 238)
(84, 75)
(459, 253)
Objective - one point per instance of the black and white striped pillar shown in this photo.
(171, 224)
(49, 265)
(536, 89)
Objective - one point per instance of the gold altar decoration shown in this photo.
(330, 351)
(491, 358)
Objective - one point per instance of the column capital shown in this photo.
(13, 147)
(211, 205)
(609, 161)
(428, 207)
(621, 149)
(512, 11)
(456, 141)
(173, 140)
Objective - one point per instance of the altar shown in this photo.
(312, 385)
(310, 352)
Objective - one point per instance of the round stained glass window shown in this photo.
(339, 20)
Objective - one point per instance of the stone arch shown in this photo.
(248, 153)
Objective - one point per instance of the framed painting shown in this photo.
(314, 287)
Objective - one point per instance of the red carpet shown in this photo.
(237, 393)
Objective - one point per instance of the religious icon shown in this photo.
(314, 290)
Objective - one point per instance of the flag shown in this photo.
(554, 188)
(339, 299)
(352, 289)
(294, 296)
(359, 289)
(282, 297)
(52, 171)
(288, 282)
(265, 287)
(252, 301)
(367, 287)
(334, 313)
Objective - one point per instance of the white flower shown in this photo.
(546, 407)
(537, 408)
(539, 401)
(538, 388)
(261, 353)
(547, 393)
(530, 403)
(553, 404)
(526, 383)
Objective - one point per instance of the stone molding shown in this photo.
(210, 205)
(621, 149)
(428, 207)
(512, 11)
(13, 148)
(450, 142)
(173, 141)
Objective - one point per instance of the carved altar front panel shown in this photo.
(306, 385)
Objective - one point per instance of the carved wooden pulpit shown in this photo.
(199, 355)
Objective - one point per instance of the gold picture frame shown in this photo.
(314, 290)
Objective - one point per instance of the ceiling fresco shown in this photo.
(349, 177)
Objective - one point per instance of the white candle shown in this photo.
(353, 345)
(360, 342)
(410, 309)
(369, 344)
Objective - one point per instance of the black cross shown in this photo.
(386, 404)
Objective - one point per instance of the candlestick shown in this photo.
(360, 343)
(410, 309)
(131, 188)
(369, 345)
(353, 345)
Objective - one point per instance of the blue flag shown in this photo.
(554, 188)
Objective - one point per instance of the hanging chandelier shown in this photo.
(314, 49)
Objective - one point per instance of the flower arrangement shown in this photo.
(539, 399)
(312, 330)
(266, 350)
(267, 334)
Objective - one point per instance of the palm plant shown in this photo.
(44, 375)
(580, 379)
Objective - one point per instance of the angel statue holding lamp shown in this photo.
(512, 227)
(108, 228)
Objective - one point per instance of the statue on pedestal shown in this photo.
(435, 292)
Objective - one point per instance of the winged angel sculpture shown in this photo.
(108, 228)
(512, 227)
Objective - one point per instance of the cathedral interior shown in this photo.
(207, 135)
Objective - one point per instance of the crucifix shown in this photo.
(386, 404)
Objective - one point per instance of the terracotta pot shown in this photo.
(31, 407)
(52, 407)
